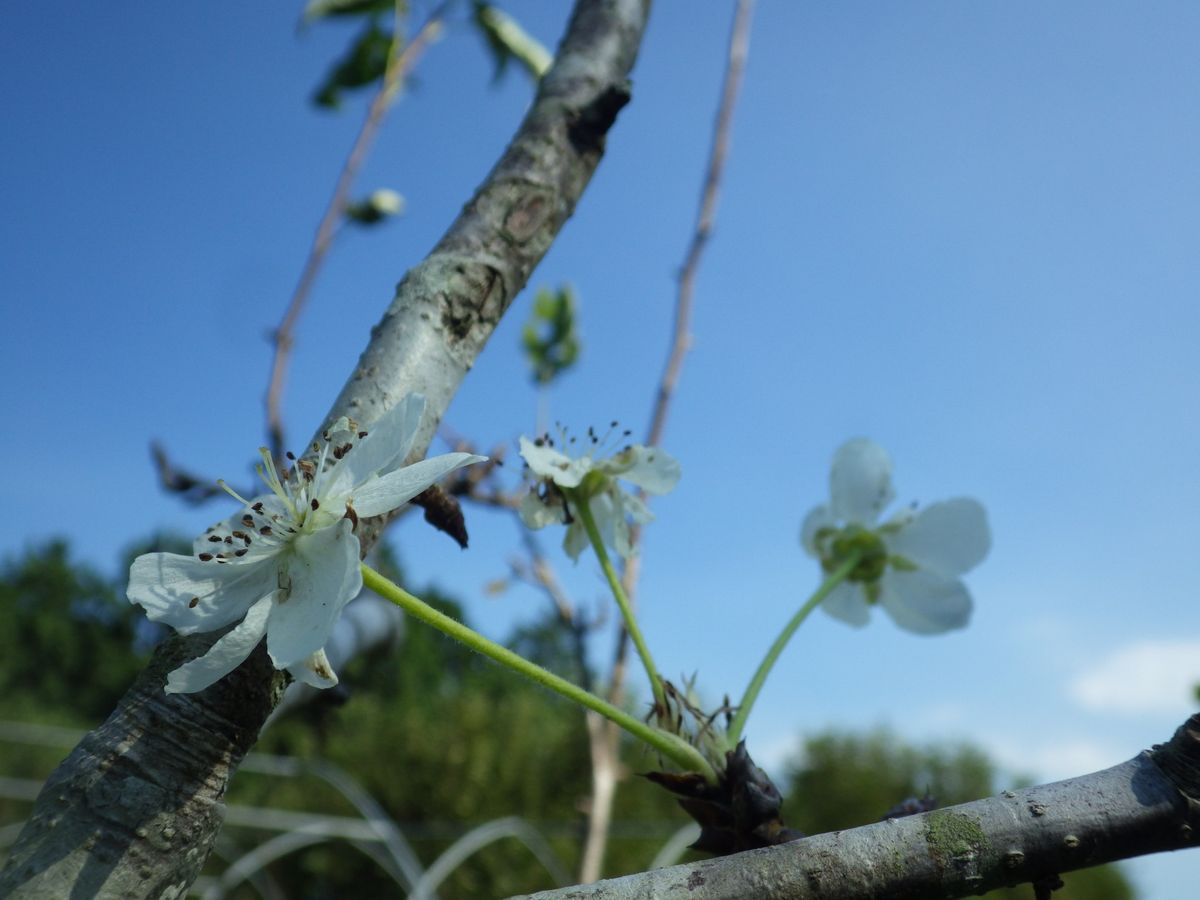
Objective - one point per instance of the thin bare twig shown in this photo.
(739, 46)
(400, 62)
(604, 738)
(194, 489)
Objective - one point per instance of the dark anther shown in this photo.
(241, 552)
(257, 507)
(193, 602)
(266, 529)
(361, 435)
(315, 505)
(290, 455)
(248, 520)
(205, 557)
(214, 539)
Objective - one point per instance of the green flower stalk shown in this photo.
(582, 492)
(670, 746)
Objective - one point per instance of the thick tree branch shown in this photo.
(1150, 804)
(134, 810)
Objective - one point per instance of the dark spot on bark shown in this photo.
(525, 218)
(592, 123)
(475, 298)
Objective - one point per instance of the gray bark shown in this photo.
(1149, 804)
(135, 808)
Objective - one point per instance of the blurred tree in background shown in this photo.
(841, 780)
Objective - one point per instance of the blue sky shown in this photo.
(968, 231)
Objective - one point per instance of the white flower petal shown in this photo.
(632, 506)
(324, 574)
(229, 652)
(818, 517)
(190, 595)
(847, 603)
(946, 538)
(860, 482)
(385, 493)
(386, 445)
(924, 602)
(546, 462)
(576, 540)
(315, 671)
(537, 513)
(650, 468)
(606, 514)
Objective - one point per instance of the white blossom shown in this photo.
(593, 478)
(288, 562)
(910, 563)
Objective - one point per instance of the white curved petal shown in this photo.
(650, 468)
(606, 513)
(190, 595)
(322, 576)
(546, 462)
(620, 541)
(632, 506)
(385, 493)
(537, 513)
(315, 671)
(576, 540)
(229, 652)
(818, 517)
(625, 506)
(860, 481)
(386, 445)
(925, 603)
(946, 538)
(847, 603)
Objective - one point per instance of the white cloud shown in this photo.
(773, 754)
(1146, 677)
(1052, 760)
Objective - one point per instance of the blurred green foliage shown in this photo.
(508, 40)
(374, 208)
(550, 337)
(363, 63)
(365, 59)
(319, 9)
(67, 642)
